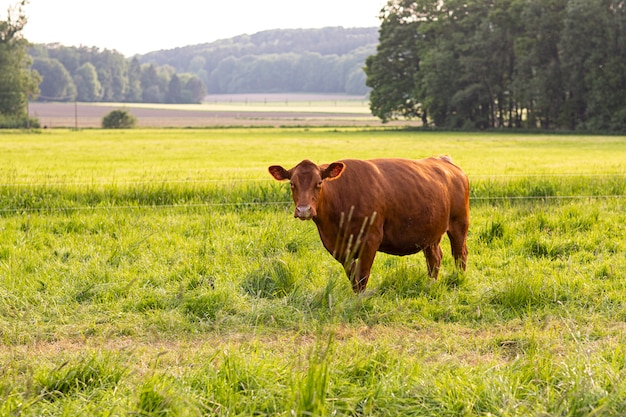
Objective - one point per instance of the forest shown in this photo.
(550, 64)
(326, 60)
(90, 75)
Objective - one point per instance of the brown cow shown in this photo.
(396, 206)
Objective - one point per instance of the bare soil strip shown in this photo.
(89, 115)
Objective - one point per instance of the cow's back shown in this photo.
(413, 200)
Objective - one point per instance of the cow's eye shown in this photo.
(319, 184)
(292, 185)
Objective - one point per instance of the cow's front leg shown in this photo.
(358, 270)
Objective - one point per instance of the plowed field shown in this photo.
(217, 111)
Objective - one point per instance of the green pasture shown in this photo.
(110, 156)
(160, 273)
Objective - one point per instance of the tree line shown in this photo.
(552, 64)
(326, 60)
(90, 75)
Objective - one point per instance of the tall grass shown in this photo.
(188, 298)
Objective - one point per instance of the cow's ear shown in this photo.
(279, 172)
(333, 171)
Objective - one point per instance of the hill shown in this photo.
(327, 60)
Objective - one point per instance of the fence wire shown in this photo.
(270, 203)
(89, 185)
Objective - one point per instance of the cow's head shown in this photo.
(306, 180)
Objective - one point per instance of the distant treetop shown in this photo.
(327, 60)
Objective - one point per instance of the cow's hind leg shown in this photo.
(433, 259)
(458, 243)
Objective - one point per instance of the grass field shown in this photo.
(160, 273)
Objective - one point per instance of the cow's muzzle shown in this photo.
(303, 212)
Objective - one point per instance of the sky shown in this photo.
(140, 26)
